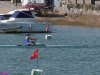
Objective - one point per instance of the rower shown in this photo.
(28, 38)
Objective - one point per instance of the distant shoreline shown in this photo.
(84, 20)
(59, 19)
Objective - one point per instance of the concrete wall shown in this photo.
(80, 1)
(57, 3)
(97, 2)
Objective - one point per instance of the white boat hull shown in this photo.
(22, 20)
(23, 27)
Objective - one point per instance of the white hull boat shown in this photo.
(20, 21)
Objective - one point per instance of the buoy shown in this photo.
(36, 72)
(47, 28)
(47, 36)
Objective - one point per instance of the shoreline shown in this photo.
(83, 20)
(59, 19)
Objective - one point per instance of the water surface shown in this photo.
(79, 60)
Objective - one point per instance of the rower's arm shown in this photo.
(33, 38)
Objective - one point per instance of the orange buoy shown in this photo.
(47, 28)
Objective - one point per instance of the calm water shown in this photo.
(54, 61)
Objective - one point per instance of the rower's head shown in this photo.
(27, 34)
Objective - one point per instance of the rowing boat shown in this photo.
(48, 46)
(22, 46)
(37, 45)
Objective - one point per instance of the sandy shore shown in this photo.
(55, 18)
(83, 20)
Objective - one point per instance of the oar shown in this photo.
(34, 41)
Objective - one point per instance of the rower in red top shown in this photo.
(28, 38)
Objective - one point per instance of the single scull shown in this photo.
(48, 46)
